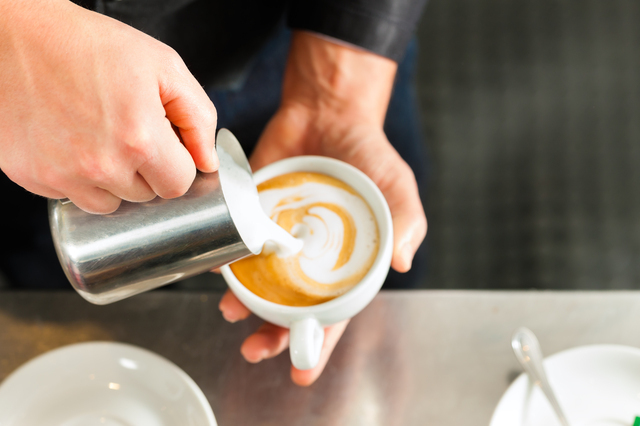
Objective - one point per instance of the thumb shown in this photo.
(192, 114)
(409, 221)
(381, 162)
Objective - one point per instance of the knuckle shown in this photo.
(180, 186)
(403, 176)
(138, 142)
(404, 170)
(210, 116)
(172, 60)
(96, 169)
(171, 54)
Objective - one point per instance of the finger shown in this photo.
(409, 220)
(232, 308)
(134, 189)
(169, 169)
(216, 271)
(332, 335)
(398, 184)
(189, 108)
(270, 340)
(95, 200)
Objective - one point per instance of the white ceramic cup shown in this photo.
(307, 323)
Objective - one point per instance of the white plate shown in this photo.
(595, 385)
(102, 384)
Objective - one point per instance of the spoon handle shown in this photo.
(527, 349)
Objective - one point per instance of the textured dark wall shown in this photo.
(532, 109)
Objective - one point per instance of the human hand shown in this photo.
(96, 111)
(334, 103)
(270, 340)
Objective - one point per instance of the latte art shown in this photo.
(339, 234)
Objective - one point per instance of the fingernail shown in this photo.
(228, 317)
(406, 252)
(254, 360)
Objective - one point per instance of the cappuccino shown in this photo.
(339, 234)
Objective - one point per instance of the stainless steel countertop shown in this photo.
(410, 358)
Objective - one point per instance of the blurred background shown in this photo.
(531, 112)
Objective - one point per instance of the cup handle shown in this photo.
(305, 343)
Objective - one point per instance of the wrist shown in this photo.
(336, 80)
(34, 21)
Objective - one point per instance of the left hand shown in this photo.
(333, 104)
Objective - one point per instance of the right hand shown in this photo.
(270, 340)
(98, 112)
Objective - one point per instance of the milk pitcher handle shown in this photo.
(305, 343)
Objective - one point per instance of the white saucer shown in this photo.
(595, 385)
(102, 384)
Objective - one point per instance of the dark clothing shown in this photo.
(27, 256)
(218, 39)
(384, 27)
(238, 50)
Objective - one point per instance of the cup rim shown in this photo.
(382, 261)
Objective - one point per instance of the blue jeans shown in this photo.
(247, 105)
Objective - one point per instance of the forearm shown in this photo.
(332, 78)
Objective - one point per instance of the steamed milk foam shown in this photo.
(253, 225)
(339, 234)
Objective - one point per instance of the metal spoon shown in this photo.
(527, 349)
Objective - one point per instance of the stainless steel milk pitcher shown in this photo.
(142, 246)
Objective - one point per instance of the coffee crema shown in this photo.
(340, 241)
